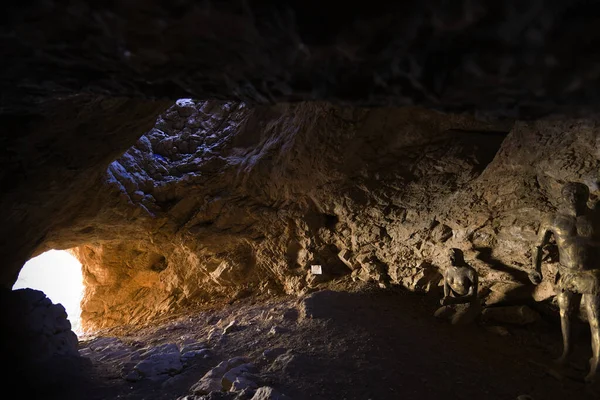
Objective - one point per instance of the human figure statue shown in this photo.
(579, 272)
(460, 281)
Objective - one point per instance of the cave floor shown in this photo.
(368, 343)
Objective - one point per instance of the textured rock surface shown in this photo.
(51, 156)
(225, 200)
(516, 57)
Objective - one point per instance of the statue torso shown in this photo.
(576, 240)
(457, 278)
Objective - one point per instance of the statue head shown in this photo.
(456, 256)
(575, 196)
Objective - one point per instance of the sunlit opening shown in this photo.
(57, 273)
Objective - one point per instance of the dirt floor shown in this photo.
(368, 343)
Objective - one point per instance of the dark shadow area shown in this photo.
(485, 255)
(387, 345)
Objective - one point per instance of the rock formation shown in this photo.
(221, 200)
(38, 347)
(363, 140)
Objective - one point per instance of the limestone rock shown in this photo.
(160, 360)
(242, 383)
(206, 385)
(188, 356)
(213, 380)
(193, 347)
(277, 330)
(544, 291)
(242, 372)
(425, 280)
(233, 326)
(272, 354)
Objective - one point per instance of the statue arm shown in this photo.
(472, 294)
(543, 238)
(444, 301)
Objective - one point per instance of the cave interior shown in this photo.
(263, 196)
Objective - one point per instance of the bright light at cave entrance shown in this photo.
(58, 274)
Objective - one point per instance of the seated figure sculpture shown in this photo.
(578, 277)
(460, 304)
(460, 281)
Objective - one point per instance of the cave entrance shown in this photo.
(58, 274)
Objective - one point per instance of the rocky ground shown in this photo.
(361, 343)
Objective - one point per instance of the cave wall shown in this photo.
(52, 153)
(251, 193)
(221, 200)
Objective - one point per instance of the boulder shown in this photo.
(241, 371)
(213, 379)
(159, 364)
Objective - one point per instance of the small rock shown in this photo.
(190, 355)
(425, 280)
(160, 363)
(168, 348)
(441, 233)
(543, 291)
(214, 335)
(207, 385)
(345, 256)
(213, 379)
(232, 327)
(291, 364)
(187, 356)
(234, 373)
(193, 346)
(235, 361)
(271, 354)
(242, 383)
(276, 330)
(268, 393)
(245, 394)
